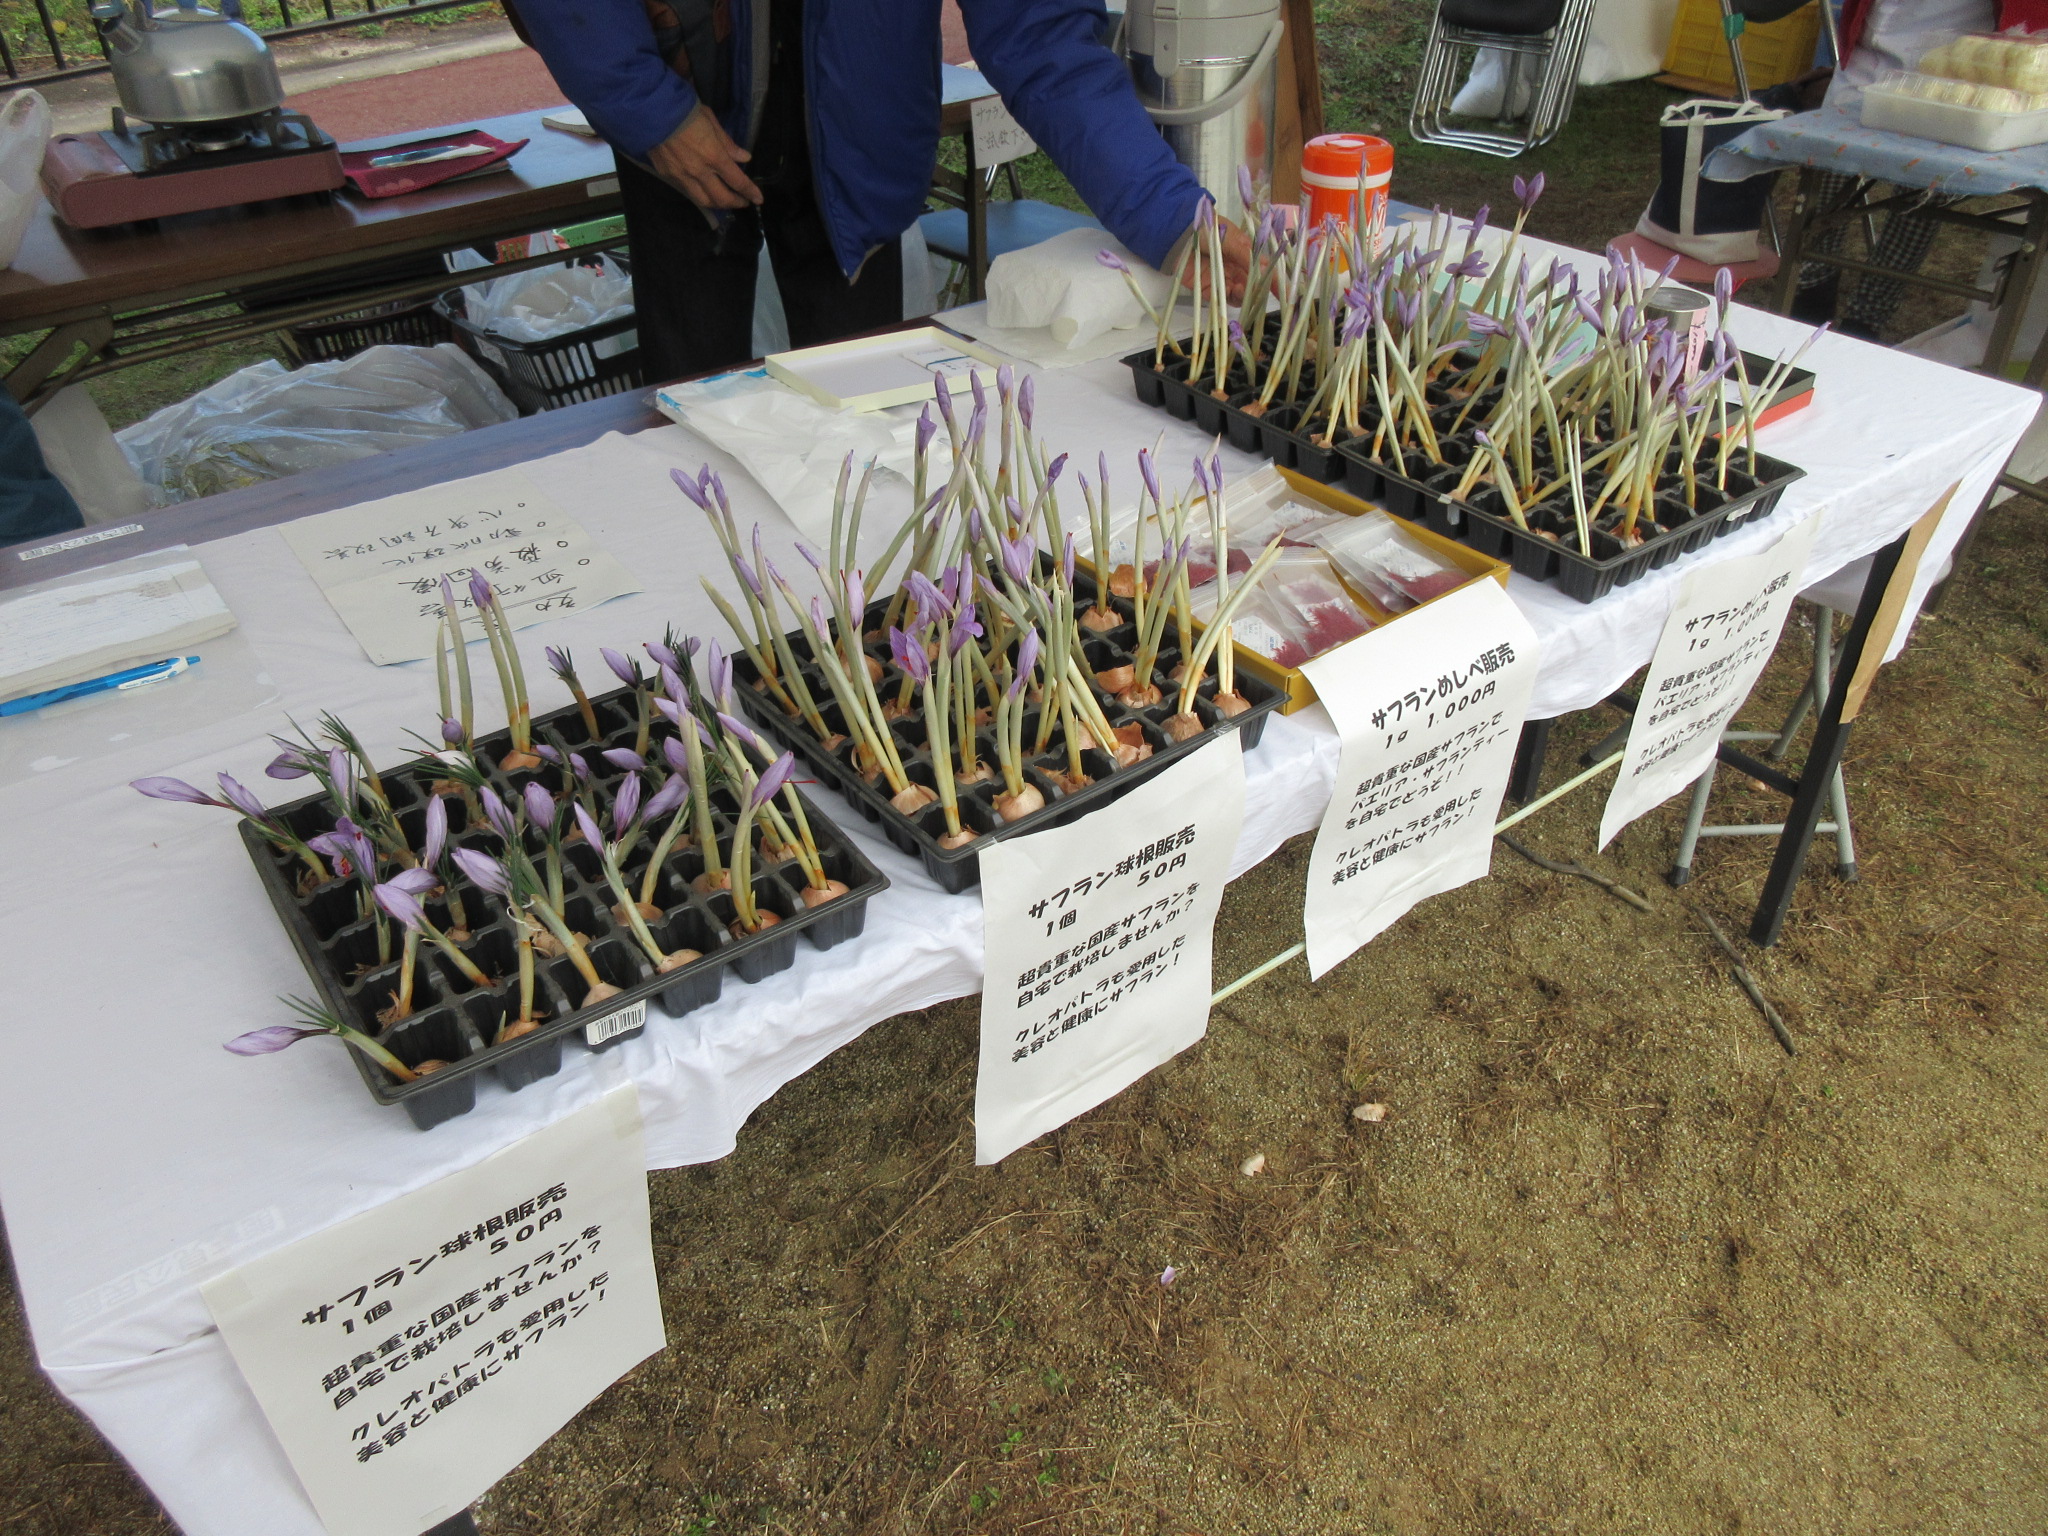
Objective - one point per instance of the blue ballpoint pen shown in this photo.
(133, 677)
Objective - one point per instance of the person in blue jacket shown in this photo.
(813, 125)
(33, 502)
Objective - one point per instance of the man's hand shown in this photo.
(1237, 262)
(702, 161)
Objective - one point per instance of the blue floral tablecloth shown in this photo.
(1833, 140)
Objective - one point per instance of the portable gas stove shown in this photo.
(150, 171)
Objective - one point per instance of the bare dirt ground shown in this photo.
(1612, 1263)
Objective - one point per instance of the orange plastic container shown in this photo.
(1345, 177)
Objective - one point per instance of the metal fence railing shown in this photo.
(43, 40)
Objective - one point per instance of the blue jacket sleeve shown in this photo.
(602, 55)
(1076, 99)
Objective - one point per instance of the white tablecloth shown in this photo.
(137, 1158)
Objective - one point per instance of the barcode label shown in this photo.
(97, 536)
(612, 1025)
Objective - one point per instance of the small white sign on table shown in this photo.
(411, 1356)
(1099, 936)
(1724, 624)
(380, 564)
(998, 137)
(1429, 711)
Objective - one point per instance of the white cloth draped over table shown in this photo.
(137, 1158)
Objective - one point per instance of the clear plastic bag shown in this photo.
(1319, 614)
(2015, 62)
(549, 301)
(266, 422)
(1394, 569)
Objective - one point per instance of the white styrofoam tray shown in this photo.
(874, 372)
(1946, 123)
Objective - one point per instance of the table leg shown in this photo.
(1831, 736)
(28, 376)
(1527, 775)
(977, 224)
(1791, 256)
(2017, 288)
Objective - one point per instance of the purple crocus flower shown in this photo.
(548, 754)
(773, 777)
(1526, 192)
(1019, 555)
(909, 655)
(480, 590)
(1149, 475)
(927, 428)
(241, 799)
(1067, 561)
(400, 904)
(483, 871)
(626, 804)
(1027, 659)
(666, 798)
(540, 806)
(625, 757)
(341, 775)
(621, 665)
(273, 1037)
(977, 423)
(943, 394)
(587, 825)
(497, 813)
(928, 600)
(435, 841)
(1245, 193)
(718, 675)
(452, 732)
(578, 768)
(1472, 267)
(291, 763)
(736, 727)
(856, 597)
(966, 627)
(690, 488)
(558, 659)
(1026, 396)
(980, 394)
(175, 789)
(1111, 260)
(663, 656)
(1052, 470)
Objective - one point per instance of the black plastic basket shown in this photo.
(453, 1020)
(589, 364)
(409, 323)
(955, 869)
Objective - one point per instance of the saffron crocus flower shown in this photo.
(435, 840)
(626, 804)
(772, 778)
(662, 656)
(497, 813)
(400, 898)
(665, 799)
(452, 732)
(927, 429)
(1245, 194)
(966, 627)
(691, 488)
(1111, 260)
(622, 666)
(626, 758)
(1149, 475)
(909, 656)
(1027, 659)
(540, 806)
(1020, 555)
(483, 871)
(316, 1020)
(1027, 397)
(161, 788)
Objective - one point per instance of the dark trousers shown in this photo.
(693, 285)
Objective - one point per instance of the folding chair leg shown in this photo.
(1845, 840)
(1817, 683)
(1695, 818)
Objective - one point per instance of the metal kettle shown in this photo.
(188, 65)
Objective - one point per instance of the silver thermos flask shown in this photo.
(1205, 73)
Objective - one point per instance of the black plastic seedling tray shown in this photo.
(454, 1020)
(957, 869)
(1420, 492)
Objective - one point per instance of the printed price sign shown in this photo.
(1098, 945)
(997, 137)
(409, 1357)
(1429, 711)
(1722, 629)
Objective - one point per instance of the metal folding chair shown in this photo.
(1542, 41)
(1736, 15)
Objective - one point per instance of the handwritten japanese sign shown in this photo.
(380, 564)
(411, 1356)
(998, 138)
(1098, 937)
(1723, 627)
(1429, 710)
